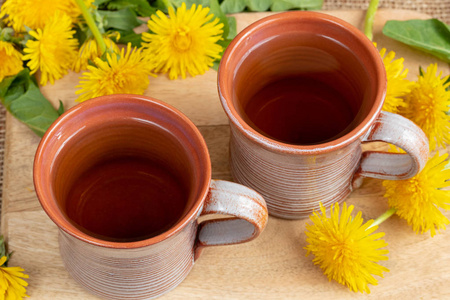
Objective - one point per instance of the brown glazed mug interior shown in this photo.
(310, 44)
(112, 126)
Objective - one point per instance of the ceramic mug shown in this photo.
(140, 238)
(302, 91)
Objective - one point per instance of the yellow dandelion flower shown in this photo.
(90, 50)
(33, 14)
(120, 74)
(54, 50)
(11, 60)
(12, 286)
(184, 42)
(345, 248)
(397, 84)
(36, 14)
(74, 10)
(418, 199)
(428, 103)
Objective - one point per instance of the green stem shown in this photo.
(370, 16)
(167, 3)
(92, 26)
(383, 217)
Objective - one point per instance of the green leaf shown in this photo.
(236, 6)
(282, 5)
(258, 5)
(232, 28)
(216, 65)
(21, 96)
(130, 37)
(446, 82)
(124, 19)
(99, 3)
(80, 35)
(189, 3)
(159, 4)
(3, 251)
(224, 44)
(2, 246)
(420, 71)
(217, 12)
(144, 9)
(229, 31)
(140, 7)
(60, 110)
(430, 36)
(233, 6)
(6, 34)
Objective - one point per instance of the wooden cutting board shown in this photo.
(273, 266)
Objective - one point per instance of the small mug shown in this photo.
(302, 91)
(125, 178)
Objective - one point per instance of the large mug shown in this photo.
(302, 91)
(125, 178)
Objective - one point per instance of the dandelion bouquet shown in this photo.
(100, 43)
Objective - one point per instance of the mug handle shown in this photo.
(247, 207)
(401, 132)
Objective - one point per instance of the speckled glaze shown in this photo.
(293, 179)
(147, 268)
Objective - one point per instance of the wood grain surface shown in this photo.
(273, 266)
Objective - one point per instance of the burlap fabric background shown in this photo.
(436, 8)
(439, 9)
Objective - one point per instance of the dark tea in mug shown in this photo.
(301, 94)
(126, 199)
(300, 110)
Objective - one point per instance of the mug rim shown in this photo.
(274, 145)
(54, 211)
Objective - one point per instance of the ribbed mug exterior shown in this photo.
(293, 185)
(140, 273)
(149, 267)
(295, 178)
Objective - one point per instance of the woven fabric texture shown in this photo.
(439, 9)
